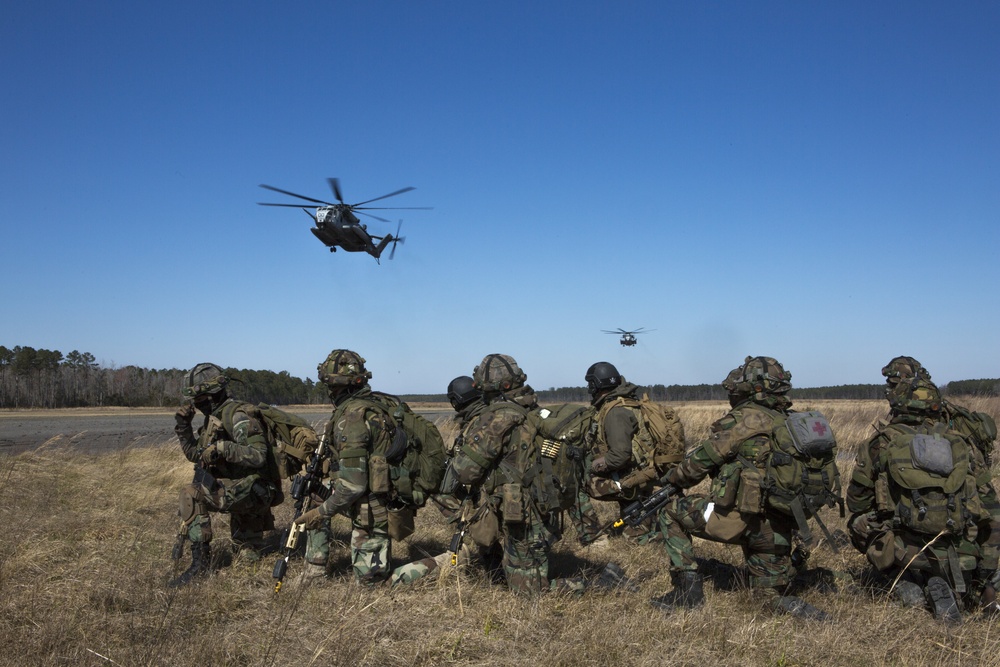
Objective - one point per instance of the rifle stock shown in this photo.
(305, 485)
(640, 510)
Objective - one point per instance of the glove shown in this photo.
(210, 455)
(312, 519)
(599, 465)
(184, 415)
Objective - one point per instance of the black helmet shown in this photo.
(462, 392)
(602, 375)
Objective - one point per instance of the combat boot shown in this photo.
(613, 578)
(310, 573)
(942, 601)
(799, 608)
(201, 557)
(909, 593)
(688, 592)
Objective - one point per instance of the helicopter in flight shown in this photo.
(628, 338)
(338, 227)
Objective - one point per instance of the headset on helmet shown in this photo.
(204, 379)
(343, 368)
(498, 373)
(462, 392)
(602, 375)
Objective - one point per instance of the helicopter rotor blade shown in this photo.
(391, 208)
(292, 194)
(391, 194)
(335, 186)
(289, 205)
(373, 216)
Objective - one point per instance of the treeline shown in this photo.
(40, 378)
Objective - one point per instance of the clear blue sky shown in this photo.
(818, 182)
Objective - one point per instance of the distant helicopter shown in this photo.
(338, 227)
(628, 337)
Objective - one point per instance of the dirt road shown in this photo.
(108, 429)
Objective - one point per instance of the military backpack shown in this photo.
(417, 456)
(930, 486)
(802, 468)
(658, 445)
(978, 428)
(292, 439)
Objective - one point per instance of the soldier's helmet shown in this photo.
(904, 368)
(498, 373)
(765, 375)
(205, 379)
(462, 392)
(914, 396)
(735, 385)
(602, 375)
(343, 368)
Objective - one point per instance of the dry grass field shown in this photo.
(86, 553)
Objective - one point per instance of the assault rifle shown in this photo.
(640, 510)
(464, 521)
(305, 485)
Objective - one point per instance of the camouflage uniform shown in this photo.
(739, 442)
(236, 472)
(487, 460)
(359, 432)
(966, 561)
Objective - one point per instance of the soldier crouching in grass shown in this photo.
(362, 436)
(753, 439)
(234, 472)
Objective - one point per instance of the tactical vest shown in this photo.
(522, 481)
(929, 485)
(561, 432)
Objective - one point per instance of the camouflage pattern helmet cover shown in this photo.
(765, 376)
(498, 373)
(204, 379)
(904, 368)
(914, 396)
(602, 375)
(734, 383)
(462, 392)
(343, 368)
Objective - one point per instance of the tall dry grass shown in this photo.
(86, 554)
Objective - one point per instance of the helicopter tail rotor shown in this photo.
(396, 239)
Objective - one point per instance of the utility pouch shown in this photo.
(378, 475)
(401, 522)
(883, 501)
(485, 529)
(749, 498)
(512, 503)
(725, 486)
